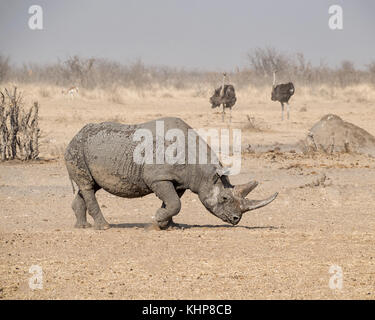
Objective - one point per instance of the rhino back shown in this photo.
(105, 151)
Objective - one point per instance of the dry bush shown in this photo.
(264, 61)
(19, 128)
(45, 93)
(90, 73)
(115, 96)
(255, 125)
(328, 93)
(4, 68)
(201, 92)
(371, 71)
(96, 77)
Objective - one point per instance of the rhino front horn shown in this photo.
(242, 190)
(248, 205)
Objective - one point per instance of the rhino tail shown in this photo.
(71, 181)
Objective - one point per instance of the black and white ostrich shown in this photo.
(225, 96)
(282, 93)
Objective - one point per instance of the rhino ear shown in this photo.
(222, 171)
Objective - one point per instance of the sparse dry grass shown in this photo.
(253, 124)
(362, 93)
(282, 251)
(59, 112)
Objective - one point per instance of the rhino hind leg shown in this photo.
(171, 206)
(94, 210)
(79, 208)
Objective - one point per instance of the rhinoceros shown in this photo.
(101, 156)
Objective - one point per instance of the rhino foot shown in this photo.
(101, 225)
(167, 225)
(82, 225)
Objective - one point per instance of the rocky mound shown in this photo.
(332, 134)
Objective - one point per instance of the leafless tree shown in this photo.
(4, 68)
(19, 128)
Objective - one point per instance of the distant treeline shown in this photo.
(92, 73)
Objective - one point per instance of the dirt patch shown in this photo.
(284, 250)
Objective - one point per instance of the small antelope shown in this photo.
(71, 91)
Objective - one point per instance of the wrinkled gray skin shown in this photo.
(101, 156)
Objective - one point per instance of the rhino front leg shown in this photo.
(79, 208)
(171, 223)
(94, 210)
(171, 206)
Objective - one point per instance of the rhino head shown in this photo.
(229, 202)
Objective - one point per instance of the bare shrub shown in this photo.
(45, 93)
(78, 70)
(371, 71)
(19, 128)
(347, 74)
(200, 92)
(295, 67)
(253, 124)
(115, 96)
(327, 92)
(265, 61)
(4, 68)
(94, 73)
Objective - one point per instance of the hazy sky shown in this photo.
(208, 34)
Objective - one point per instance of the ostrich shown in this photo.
(282, 93)
(225, 95)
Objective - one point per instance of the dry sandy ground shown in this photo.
(282, 251)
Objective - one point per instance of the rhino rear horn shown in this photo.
(248, 205)
(242, 190)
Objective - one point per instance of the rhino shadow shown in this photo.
(148, 226)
